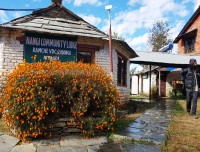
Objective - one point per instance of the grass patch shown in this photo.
(144, 142)
(3, 127)
(122, 123)
(138, 106)
(179, 108)
(184, 131)
(138, 97)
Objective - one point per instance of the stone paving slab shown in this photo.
(90, 142)
(73, 149)
(81, 142)
(24, 148)
(138, 125)
(93, 148)
(111, 147)
(130, 132)
(7, 143)
(5, 147)
(10, 139)
(71, 141)
(100, 140)
(141, 148)
(53, 141)
(50, 148)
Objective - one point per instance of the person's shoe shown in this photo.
(195, 116)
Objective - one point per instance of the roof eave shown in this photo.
(192, 32)
(130, 51)
(74, 35)
(187, 25)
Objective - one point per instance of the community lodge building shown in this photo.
(57, 33)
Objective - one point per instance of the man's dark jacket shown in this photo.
(187, 75)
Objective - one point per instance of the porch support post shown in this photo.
(159, 83)
(150, 82)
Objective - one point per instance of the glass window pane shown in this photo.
(85, 57)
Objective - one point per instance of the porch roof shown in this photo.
(163, 59)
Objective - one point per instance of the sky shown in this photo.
(131, 19)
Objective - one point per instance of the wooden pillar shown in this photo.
(150, 83)
(159, 83)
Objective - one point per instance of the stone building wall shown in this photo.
(11, 52)
(102, 58)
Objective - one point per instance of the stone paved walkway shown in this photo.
(151, 127)
(63, 144)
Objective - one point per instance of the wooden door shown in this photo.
(163, 84)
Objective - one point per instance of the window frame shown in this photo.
(88, 48)
(189, 44)
(122, 72)
(92, 56)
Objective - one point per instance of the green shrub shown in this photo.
(154, 92)
(174, 94)
(34, 93)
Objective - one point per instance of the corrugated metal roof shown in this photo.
(164, 59)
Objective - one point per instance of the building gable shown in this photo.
(192, 24)
(57, 12)
(55, 20)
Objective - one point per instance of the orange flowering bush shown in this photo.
(34, 93)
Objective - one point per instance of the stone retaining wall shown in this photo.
(62, 127)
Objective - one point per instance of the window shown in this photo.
(189, 45)
(85, 57)
(121, 71)
(86, 53)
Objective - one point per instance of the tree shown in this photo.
(116, 36)
(159, 35)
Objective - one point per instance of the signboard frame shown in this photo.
(44, 47)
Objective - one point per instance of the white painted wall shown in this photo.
(145, 83)
(134, 85)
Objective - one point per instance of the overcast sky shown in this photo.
(131, 19)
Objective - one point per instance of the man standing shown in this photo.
(191, 77)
